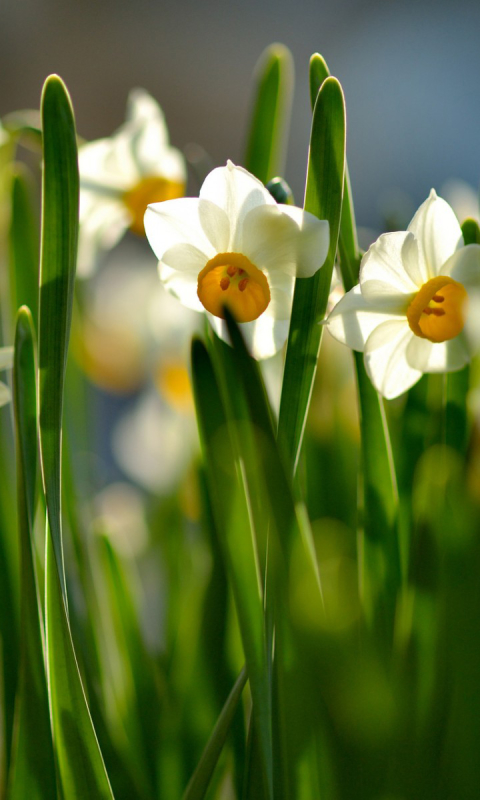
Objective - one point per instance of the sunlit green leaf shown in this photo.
(323, 198)
(33, 768)
(266, 146)
(60, 189)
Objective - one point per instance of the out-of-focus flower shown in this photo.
(235, 246)
(462, 197)
(409, 313)
(133, 338)
(121, 175)
(6, 361)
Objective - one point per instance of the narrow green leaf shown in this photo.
(200, 779)
(226, 482)
(80, 763)
(266, 146)
(347, 240)
(32, 772)
(323, 198)
(381, 552)
(57, 273)
(24, 245)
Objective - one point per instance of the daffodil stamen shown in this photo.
(427, 320)
(230, 279)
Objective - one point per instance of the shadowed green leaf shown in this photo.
(32, 773)
(226, 482)
(80, 764)
(200, 779)
(23, 245)
(57, 274)
(323, 198)
(265, 152)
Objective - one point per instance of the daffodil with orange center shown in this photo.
(236, 247)
(410, 312)
(121, 175)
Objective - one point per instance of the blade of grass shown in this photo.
(323, 198)
(266, 146)
(60, 187)
(200, 779)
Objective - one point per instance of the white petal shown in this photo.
(386, 296)
(264, 337)
(392, 259)
(108, 163)
(5, 394)
(437, 231)
(354, 318)
(176, 222)
(215, 225)
(438, 356)
(285, 238)
(464, 266)
(6, 357)
(183, 286)
(103, 221)
(143, 109)
(281, 293)
(236, 191)
(386, 360)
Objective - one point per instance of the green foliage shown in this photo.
(288, 626)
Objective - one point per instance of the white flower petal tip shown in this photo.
(121, 175)
(235, 246)
(413, 310)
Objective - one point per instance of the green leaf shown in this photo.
(60, 190)
(265, 151)
(32, 772)
(24, 243)
(226, 482)
(80, 763)
(198, 784)
(323, 198)
(347, 241)
(381, 552)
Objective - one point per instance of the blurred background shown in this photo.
(409, 70)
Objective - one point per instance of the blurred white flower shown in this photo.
(6, 361)
(236, 246)
(409, 312)
(462, 197)
(134, 337)
(122, 174)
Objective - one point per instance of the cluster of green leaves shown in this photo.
(314, 646)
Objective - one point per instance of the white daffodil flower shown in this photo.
(409, 313)
(121, 175)
(6, 361)
(235, 246)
